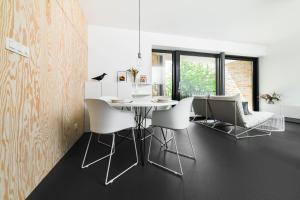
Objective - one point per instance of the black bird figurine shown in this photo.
(99, 78)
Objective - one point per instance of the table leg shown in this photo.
(139, 121)
(141, 131)
(144, 136)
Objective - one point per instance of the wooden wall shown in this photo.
(41, 97)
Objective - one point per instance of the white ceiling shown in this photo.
(253, 21)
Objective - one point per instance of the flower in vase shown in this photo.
(133, 71)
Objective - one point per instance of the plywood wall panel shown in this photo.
(14, 100)
(41, 97)
(31, 30)
(6, 9)
(55, 41)
(75, 15)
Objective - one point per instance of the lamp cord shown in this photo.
(139, 54)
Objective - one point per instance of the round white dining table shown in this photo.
(144, 103)
(141, 109)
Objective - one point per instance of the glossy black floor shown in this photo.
(265, 168)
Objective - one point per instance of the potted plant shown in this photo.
(271, 98)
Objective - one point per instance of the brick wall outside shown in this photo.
(238, 79)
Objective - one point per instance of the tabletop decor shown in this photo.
(271, 98)
(122, 76)
(143, 79)
(133, 72)
(99, 78)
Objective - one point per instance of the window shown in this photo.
(162, 65)
(181, 74)
(238, 79)
(241, 76)
(197, 75)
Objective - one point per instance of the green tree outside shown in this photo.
(195, 79)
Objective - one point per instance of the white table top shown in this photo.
(144, 103)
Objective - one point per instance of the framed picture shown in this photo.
(143, 79)
(122, 76)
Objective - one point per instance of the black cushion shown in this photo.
(245, 108)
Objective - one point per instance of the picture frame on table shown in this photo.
(143, 79)
(122, 76)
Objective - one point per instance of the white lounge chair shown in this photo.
(228, 111)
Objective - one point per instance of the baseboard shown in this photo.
(294, 120)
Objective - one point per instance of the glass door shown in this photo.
(162, 66)
(239, 79)
(197, 75)
(182, 74)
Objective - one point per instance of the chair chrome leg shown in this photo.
(149, 150)
(244, 134)
(109, 162)
(86, 151)
(122, 136)
(152, 134)
(134, 142)
(168, 140)
(182, 154)
(164, 137)
(192, 147)
(177, 153)
(163, 167)
(145, 137)
(239, 136)
(98, 140)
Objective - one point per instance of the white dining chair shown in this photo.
(174, 119)
(106, 120)
(109, 99)
(147, 113)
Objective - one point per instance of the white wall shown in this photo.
(280, 72)
(112, 49)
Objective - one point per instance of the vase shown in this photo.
(134, 87)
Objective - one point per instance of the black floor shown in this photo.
(264, 168)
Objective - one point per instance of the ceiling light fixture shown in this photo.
(139, 53)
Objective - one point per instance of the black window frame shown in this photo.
(255, 77)
(220, 71)
(189, 53)
(173, 67)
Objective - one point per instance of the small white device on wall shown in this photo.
(16, 47)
